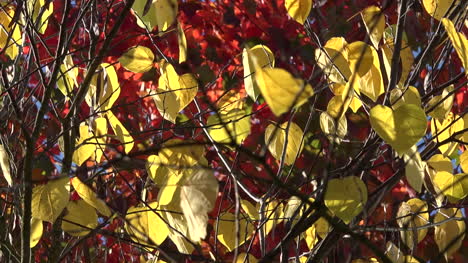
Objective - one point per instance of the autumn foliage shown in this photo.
(233, 131)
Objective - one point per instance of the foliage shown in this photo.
(243, 131)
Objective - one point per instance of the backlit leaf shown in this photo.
(401, 128)
(281, 90)
(437, 8)
(450, 185)
(412, 214)
(443, 131)
(138, 59)
(459, 42)
(5, 165)
(235, 125)
(84, 146)
(48, 200)
(371, 83)
(275, 138)
(36, 231)
(166, 12)
(441, 105)
(226, 231)
(449, 235)
(399, 97)
(79, 219)
(145, 226)
(257, 56)
(298, 9)
(120, 132)
(332, 59)
(414, 170)
(90, 197)
(334, 129)
(440, 163)
(182, 44)
(464, 161)
(346, 197)
(111, 90)
(374, 20)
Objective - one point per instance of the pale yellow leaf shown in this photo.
(371, 83)
(415, 167)
(138, 59)
(144, 225)
(249, 209)
(10, 34)
(333, 60)
(166, 12)
(275, 138)
(90, 197)
(399, 97)
(449, 235)
(100, 133)
(334, 129)
(360, 57)
(66, 79)
(120, 132)
(36, 231)
(412, 214)
(441, 105)
(401, 128)
(5, 165)
(311, 237)
(273, 215)
(346, 197)
(48, 200)
(298, 9)
(374, 21)
(257, 56)
(79, 219)
(232, 127)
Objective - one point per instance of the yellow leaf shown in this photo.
(374, 21)
(198, 194)
(332, 59)
(145, 226)
(80, 218)
(243, 257)
(449, 235)
(440, 163)
(182, 44)
(36, 231)
(338, 90)
(275, 138)
(401, 128)
(322, 227)
(10, 35)
(231, 100)
(281, 90)
(137, 59)
(85, 147)
(399, 97)
(415, 167)
(174, 92)
(5, 165)
(36, 7)
(437, 8)
(235, 125)
(371, 83)
(335, 130)
(290, 209)
(48, 200)
(249, 209)
(441, 104)
(443, 131)
(120, 132)
(311, 237)
(257, 56)
(450, 185)
(346, 197)
(273, 215)
(111, 90)
(412, 214)
(394, 253)
(166, 12)
(298, 9)
(88, 195)
(67, 77)
(148, 20)
(360, 57)
(100, 132)
(459, 42)
(226, 231)
(464, 161)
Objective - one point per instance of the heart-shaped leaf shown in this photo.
(401, 128)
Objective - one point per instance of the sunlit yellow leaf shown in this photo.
(332, 59)
(275, 138)
(235, 125)
(48, 200)
(449, 235)
(298, 9)
(36, 8)
(85, 148)
(394, 253)
(444, 131)
(415, 167)
(322, 227)
(440, 163)
(10, 35)
(281, 90)
(374, 20)
(36, 231)
(311, 237)
(338, 90)
(257, 56)
(111, 90)
(100, 133)
(437, 8)
(231, 100)
(346, 197)
(412, 214)
(459, 42)
(371, 83)
(90, 197)
(273, 215)
(464, 161)
(144, 225)
(441, 105)
(120, 132)
(182, 44)
(5, 165)
(138, 59)
(79, 219)
(360, 57)
(66, 80)
(249, 209)
(198, 194)
(399, 97)
(401, 128)
(226, 231)
(334, 129)
(166, 12)
(450, 185)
